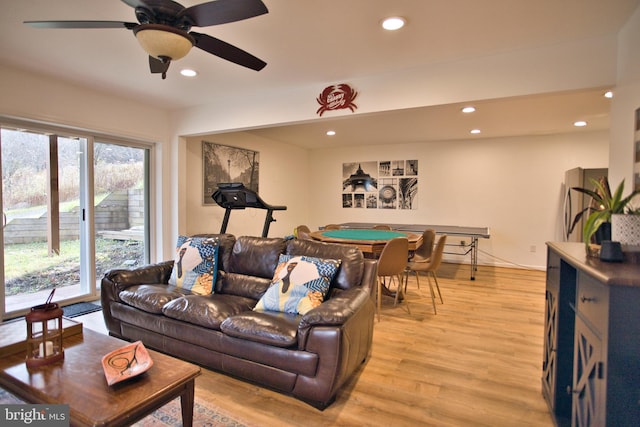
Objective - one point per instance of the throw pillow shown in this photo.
(299, 284)
(196, 264)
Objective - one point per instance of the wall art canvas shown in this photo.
(223, 163)
(380, 184)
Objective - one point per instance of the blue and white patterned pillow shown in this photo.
(299, 284)
(196, 264)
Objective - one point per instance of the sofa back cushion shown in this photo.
(255, 256)
(242, 285)
(352, 261)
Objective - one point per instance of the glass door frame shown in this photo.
(89, 281)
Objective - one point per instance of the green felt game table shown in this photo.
(368, 241)
(468, 245)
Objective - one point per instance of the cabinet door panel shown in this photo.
(549, 366)
(557, 363)
(588, 406)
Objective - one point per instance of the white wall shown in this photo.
(579, 64)
(512, 185)
(30, 96)
(284, 180)
(625, 102)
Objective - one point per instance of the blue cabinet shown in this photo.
(591, 359)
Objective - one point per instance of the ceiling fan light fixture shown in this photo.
(163, 41)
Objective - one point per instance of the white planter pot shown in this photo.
(626, 230)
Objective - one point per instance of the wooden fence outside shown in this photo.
(121, 210)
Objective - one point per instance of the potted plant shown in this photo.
(604, 205)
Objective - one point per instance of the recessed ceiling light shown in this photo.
(608, 94)
(393, 23)
(188, 72)
(580, 123)
(474, 131)
(469, 109)
(331, 132)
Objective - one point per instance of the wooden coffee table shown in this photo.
(79, 381)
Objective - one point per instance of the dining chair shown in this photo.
(392, 263)
(332, 227)
(430, 267)
(302, 232)
(424, 251)
(382, 227)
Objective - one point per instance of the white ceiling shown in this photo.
(307, 43)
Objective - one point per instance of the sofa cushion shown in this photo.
(351, 269)
(277, 329)
(207, 310)
(256, 256)
(195, 265)
(299, 284)
(150, 298)
(242, 285)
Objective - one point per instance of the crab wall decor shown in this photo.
(336, 97)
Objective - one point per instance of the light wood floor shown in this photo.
(476, 363)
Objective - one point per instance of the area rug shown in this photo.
(205, 414)
(75, 310)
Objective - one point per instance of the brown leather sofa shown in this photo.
(307, 356)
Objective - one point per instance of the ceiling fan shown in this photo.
(163, 29)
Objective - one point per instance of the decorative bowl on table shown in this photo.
(126, 362)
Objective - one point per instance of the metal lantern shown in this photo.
(44, 335)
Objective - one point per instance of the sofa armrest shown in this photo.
(119, 279)
(336, 311)
(152, 273)
(340, 332)
(116, 280)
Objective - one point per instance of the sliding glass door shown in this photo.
(120, 211)
(72, 209)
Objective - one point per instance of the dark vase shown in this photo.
(603, 233)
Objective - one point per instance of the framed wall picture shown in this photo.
(383, 184)
(223, 163)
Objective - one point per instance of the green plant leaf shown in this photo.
(608, 204)
(594, 221)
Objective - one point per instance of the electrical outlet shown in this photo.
(532, 248)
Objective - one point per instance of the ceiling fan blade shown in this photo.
(223, 11)
(159, 67)
(226, 51)
(138, 3)
(81, 24)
